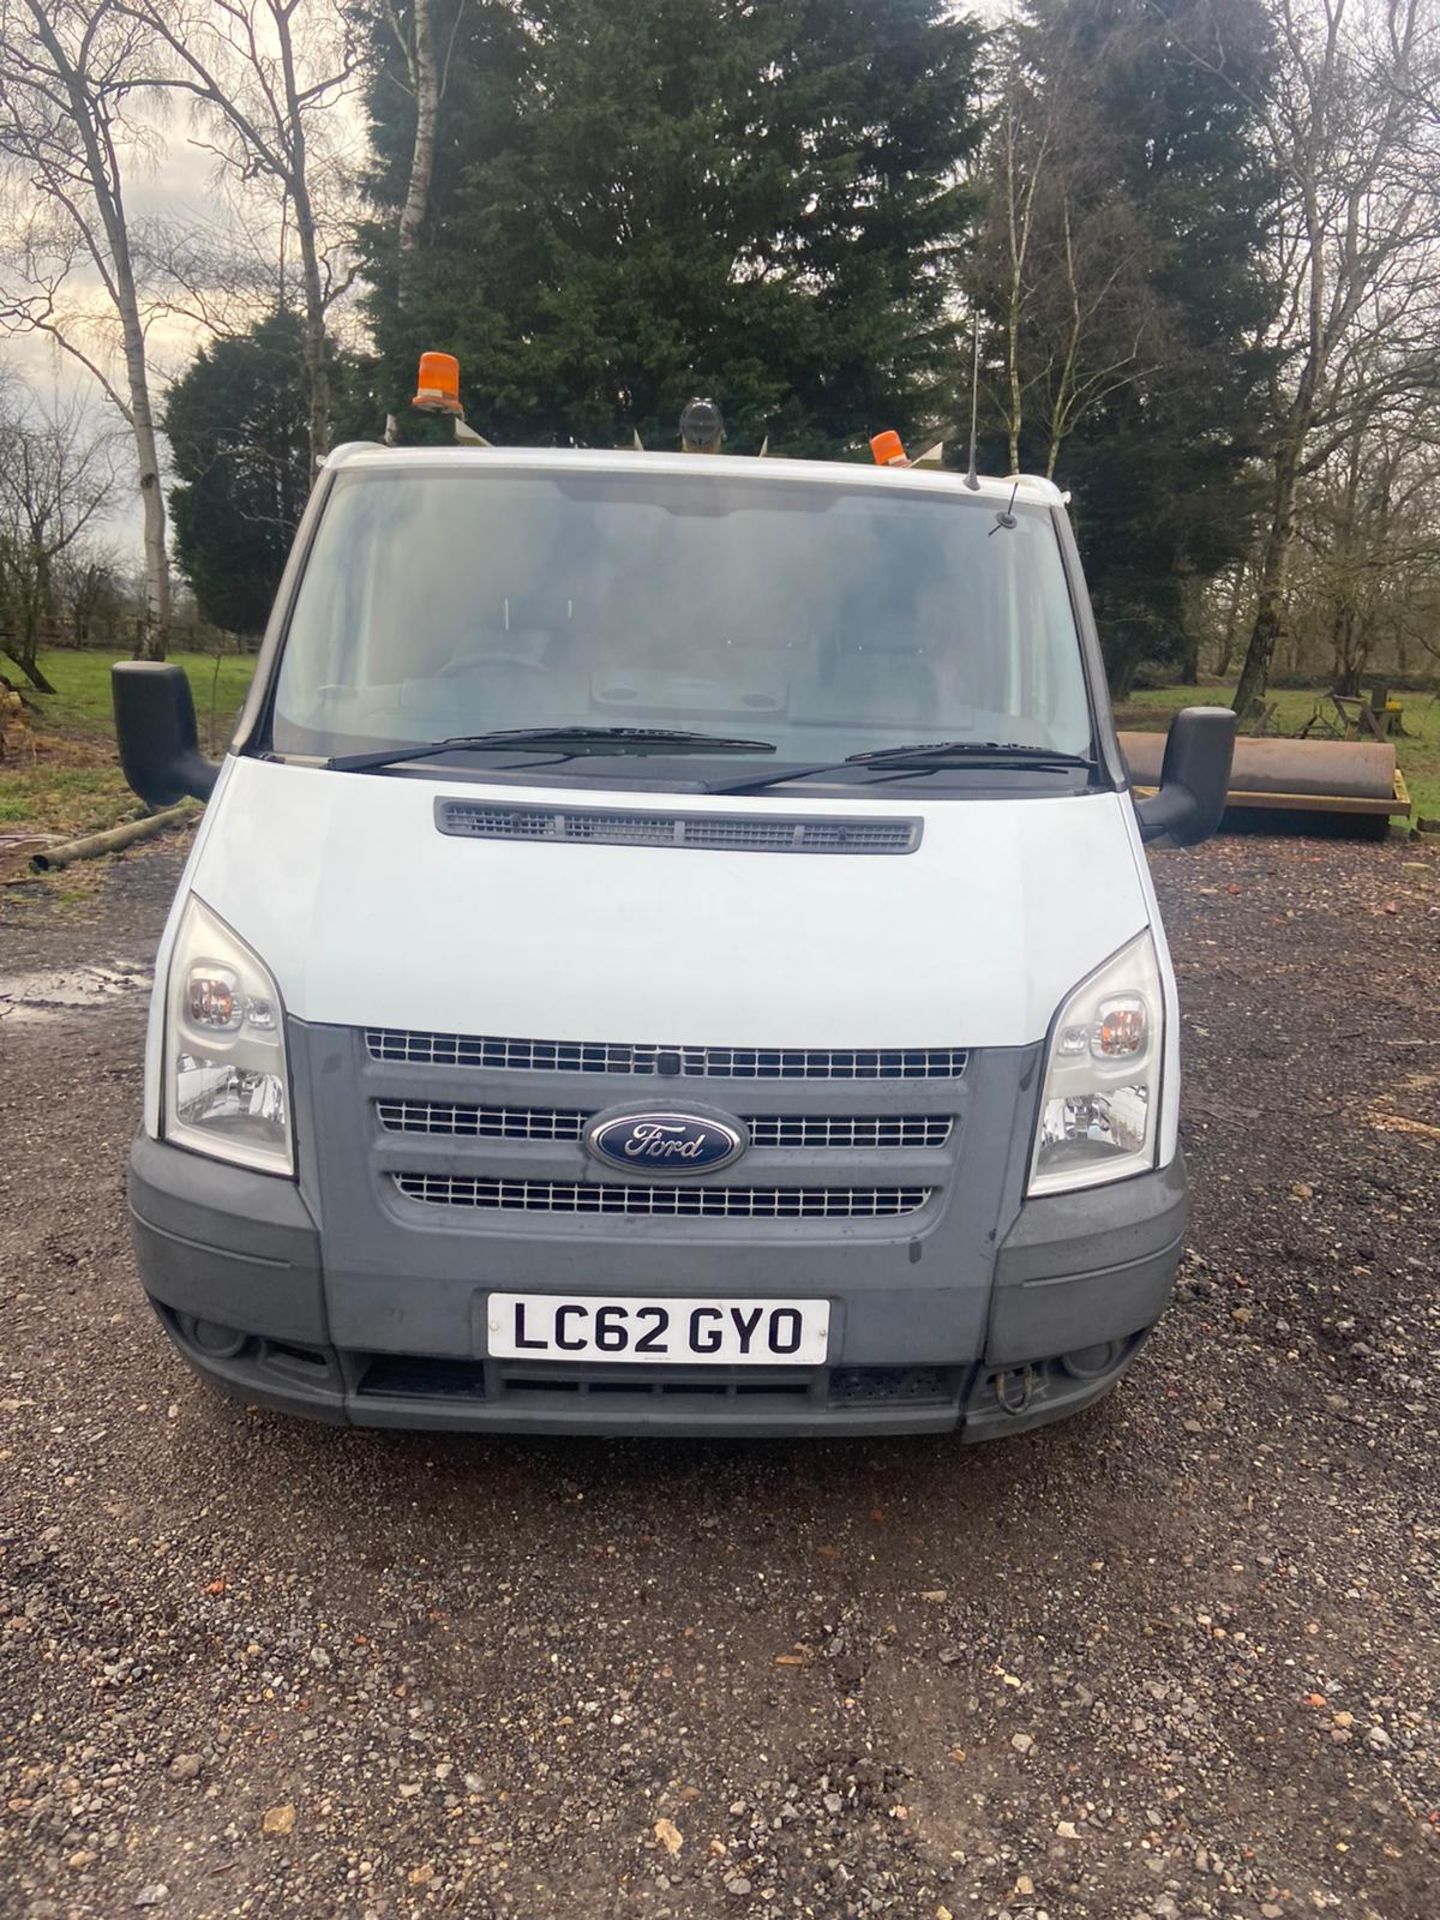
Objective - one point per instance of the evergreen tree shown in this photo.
(1148, 218)
(238, 427)
(632, 204)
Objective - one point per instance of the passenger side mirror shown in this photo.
(1194, 779)
(155, 725)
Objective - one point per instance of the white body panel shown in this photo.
(367, 915)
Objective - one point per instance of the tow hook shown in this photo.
(1007, 1395)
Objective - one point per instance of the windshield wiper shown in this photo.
(944, 753)
(924, 758)
(561, 739)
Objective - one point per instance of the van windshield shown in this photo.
(821, 620)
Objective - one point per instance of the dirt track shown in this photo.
(1181, 1658)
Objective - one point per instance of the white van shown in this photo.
(669, 948)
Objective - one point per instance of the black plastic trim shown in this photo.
(908, 832)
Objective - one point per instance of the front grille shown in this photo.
(733, 1203)
(699, 1063)
(881, 1131)
(715, 832)
(850, 1131)
(488, 1123)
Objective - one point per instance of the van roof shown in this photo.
(367, 455)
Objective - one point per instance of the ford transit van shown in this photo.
(669, 948)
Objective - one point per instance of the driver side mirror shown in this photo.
(155, 725)
(1194, 778)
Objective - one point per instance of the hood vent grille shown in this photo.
(713, 832)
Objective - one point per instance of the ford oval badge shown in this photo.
(665, 1142)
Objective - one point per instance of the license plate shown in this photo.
(673, 1332)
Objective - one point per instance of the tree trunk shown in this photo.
(156, 635)
(29, 666)
(316, 356)
(1268, 626)
(315, 345)
(419, 54)
(1337, 652)
(103, 174)
(422, 160)
(1232, 620)
(1269, 620)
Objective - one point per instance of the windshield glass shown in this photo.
(823, 619)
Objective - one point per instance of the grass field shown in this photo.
(1417, 753)
(61, 773)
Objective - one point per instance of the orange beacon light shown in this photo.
(438, 388)
(889, 449)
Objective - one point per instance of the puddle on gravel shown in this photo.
(49, 996)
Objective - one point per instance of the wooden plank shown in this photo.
(1310, 802)
(1315, 803)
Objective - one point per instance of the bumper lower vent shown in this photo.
(714, 832)
(700, 1063)
(849, 1132)
(869, 1386)
(731, 1203)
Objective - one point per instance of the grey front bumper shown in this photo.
(235, 1263)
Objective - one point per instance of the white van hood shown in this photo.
(367, 915)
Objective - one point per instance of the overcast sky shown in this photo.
(182, 185)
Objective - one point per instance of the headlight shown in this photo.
(226, 1085)
(1100, 1106)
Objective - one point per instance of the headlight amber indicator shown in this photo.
(1120, 1030)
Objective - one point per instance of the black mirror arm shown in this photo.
(1170, 810)
(195, 775)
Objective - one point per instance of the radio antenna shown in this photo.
(972, 477)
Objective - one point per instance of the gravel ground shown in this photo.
(1178, 1658)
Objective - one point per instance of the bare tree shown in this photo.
(1355, 254)
(1061, 262)
(218, 276)
(266, 76)
(1366, 579)
(1234, 589)
(415, 38)
(90, 594)
(1018, 168)
(57, 475)
(412, 28)
(68, 72)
